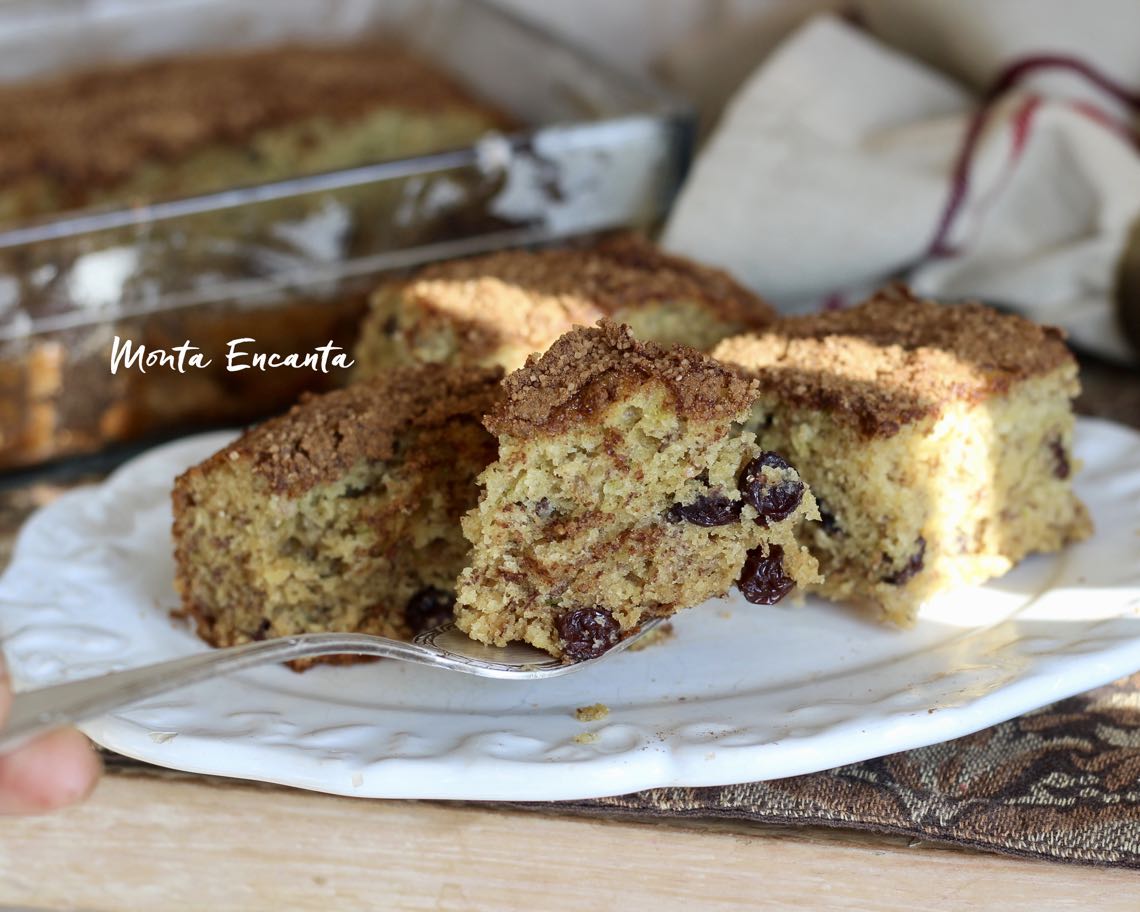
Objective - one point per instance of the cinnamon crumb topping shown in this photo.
(534, 295)
(591, 368)
(895, 358)
(324, 436)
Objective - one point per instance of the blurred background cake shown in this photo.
(500, 308)
(396, 134)
(180, 126)
(165, 128)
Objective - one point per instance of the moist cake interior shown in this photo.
(624, 489)
(937, 440)
(343, 514)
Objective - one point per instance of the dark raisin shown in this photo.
(774, 502)
(913, 565)
(544, 509)
(762, 580)
(429, 608)
(1061, 466)
(827, 519)
(587, 632)
(262, 630)
(707, 510)
(391, 324)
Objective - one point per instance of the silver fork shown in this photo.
(34, 712)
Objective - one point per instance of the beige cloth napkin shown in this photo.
(978, 149)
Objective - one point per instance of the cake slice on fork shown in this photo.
(625, 489)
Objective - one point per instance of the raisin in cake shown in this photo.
(343, 514)
(625, 489)
(937, 440)
(499, 308)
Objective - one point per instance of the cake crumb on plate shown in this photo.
(593, 713)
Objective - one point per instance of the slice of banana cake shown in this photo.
(501, 307)
(625, 489)
(341, 515)
(937, 439)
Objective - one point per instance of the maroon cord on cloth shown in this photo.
(1010, 77)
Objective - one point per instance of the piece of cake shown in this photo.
(937, 440)
(500, 308)
(341, 515)
(179, 126)
(625, 489)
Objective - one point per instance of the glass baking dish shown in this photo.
(289, 263)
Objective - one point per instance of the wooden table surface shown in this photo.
(150, 839)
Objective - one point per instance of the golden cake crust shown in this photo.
(895, 358)
(527, 293)
(590, 368)
(322, 437)
(165, 109)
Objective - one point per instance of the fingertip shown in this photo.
(54, 771)
(77, 766)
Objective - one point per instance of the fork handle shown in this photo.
(34, 712)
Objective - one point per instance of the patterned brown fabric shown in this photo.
(1062, 783)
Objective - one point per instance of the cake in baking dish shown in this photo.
(172, 127)
(343, 514)
(501, 307)
(180, 126)
(625, 489)
(936, 439)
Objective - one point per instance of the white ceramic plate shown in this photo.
(740, 693)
